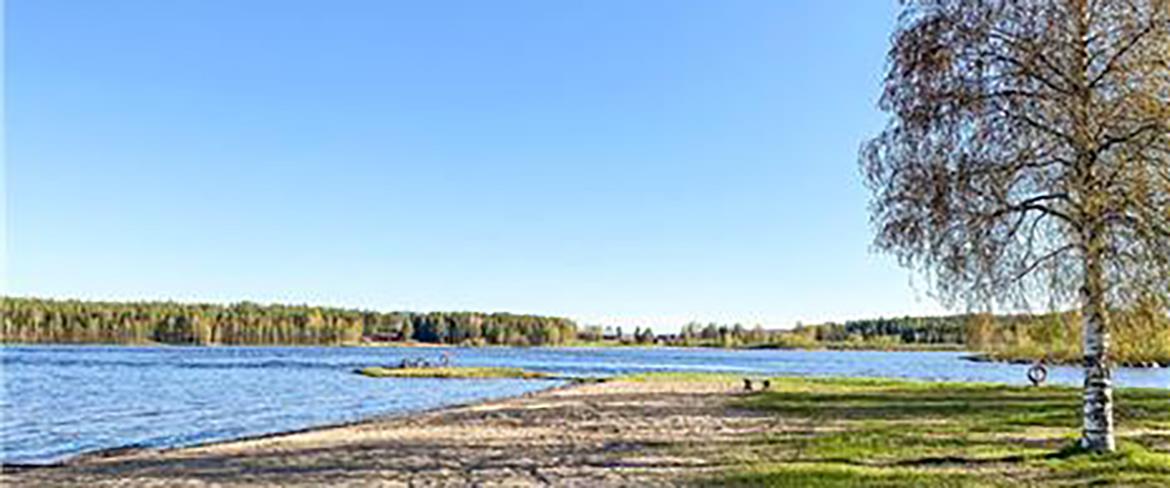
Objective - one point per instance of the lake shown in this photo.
(61, 401)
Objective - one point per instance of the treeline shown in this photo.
(474, 328)
(33, 320)
(1139, 337)
(596, 334)
(883, 333)
(949, 329)
(719, 335)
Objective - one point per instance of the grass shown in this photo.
(881, 432)
(450, 372)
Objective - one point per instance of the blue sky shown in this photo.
(633, 163)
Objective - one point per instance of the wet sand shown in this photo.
(619, 433)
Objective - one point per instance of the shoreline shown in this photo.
(596, 434)
(435, 345)
(133, 450)
(981, 357)
(965, 354)
(679, 429)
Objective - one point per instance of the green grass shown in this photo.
(881, 432)
(450, 372)
(815, 475)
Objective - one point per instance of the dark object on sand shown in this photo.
(767, 384)
(1038, 373)
(747, 384)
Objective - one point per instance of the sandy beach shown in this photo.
(619, 433)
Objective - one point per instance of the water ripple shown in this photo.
(61, 401)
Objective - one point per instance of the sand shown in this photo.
(619, 433)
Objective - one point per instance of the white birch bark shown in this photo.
(1098, 395)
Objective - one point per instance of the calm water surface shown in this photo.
(60, 401)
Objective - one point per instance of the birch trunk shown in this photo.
(1098, 394)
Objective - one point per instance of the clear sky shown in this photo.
(620, 162)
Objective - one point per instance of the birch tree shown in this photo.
(1027, 157)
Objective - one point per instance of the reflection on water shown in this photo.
(60, 401)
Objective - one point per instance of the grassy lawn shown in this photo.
(871, 432)
(450, 372)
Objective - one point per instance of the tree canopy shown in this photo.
(1027, 155)
(75, 321)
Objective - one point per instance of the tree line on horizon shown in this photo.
(1142, 334)
(36, 320)
(879, 333)
(599, 334)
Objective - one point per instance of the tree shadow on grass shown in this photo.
(886, 434)
(995, 406)
(815, 475)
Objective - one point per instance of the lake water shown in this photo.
(61, 401)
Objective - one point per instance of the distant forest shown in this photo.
(34, 320)
(1141, 336)
(881, 333)
(949, 329)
